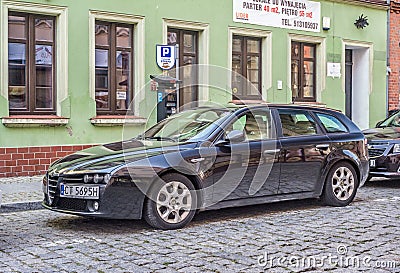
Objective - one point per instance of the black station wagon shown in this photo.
(210, 158)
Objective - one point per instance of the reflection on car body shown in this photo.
(210, 158)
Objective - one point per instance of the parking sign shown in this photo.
(165, 56)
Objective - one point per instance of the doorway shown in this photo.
(357, 84)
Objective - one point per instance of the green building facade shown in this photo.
(68, 69)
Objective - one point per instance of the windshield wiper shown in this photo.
(159, 138)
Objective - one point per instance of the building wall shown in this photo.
(214, 19)
(394, 55)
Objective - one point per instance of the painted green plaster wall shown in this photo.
(79, 107)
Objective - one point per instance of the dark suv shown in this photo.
(210, 158)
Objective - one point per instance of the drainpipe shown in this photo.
(388, 70)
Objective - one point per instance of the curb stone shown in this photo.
(20, 206)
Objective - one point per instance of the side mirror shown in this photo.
(234, 136)
(378, 123)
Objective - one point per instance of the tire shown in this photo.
(171, 203)
(340, 185)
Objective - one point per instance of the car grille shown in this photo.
(76, 179)
(52, 187)
(71, 204)
(376, 152)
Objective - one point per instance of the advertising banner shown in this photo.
(300, 14)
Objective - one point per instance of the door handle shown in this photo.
(322, 146)
(268, 152)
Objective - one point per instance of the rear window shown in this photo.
(332, 124)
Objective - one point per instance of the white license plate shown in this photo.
(85, 192)
(372, 163)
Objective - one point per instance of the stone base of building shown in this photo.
(28, 161)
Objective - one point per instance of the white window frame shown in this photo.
(320, 44)
(61, 14)
(266, 55)
(203, 51)
(138, 52)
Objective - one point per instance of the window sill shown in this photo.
(117, 121)
(34, 121)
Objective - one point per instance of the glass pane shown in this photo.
(16, 75)
(253, 89)
(237, 45)
(172, 38)
(123, 37)
(44, 76)
(101, 58)
(17, 97)
(253, 75)
(123, 80)
(102, 79)
(295, 50)
(253, 46)
(102, 99)
(332, 124)
(308, 51)
(16, 27)
(44, 54)
(101, 33)
(237, 76)
(295, 78)
(189, 43)
(308, 79)
(44, 97)
(16, 53)
(189, 80)
(44, 30)
(252, 62)
(297, 123)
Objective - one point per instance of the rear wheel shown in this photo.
(341, 185)
(171, 203)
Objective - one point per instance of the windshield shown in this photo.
(191, 124)
(392, 121)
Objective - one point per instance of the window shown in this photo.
(31, 63)
(255, 125)
(303, 71)
(114, 67)
(246, 63)
(188, 56)
(332, 124)
(297, 123)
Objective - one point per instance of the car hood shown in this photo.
(386, 133)
(108, 157)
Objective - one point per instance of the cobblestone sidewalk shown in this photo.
(21, 189)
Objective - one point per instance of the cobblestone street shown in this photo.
(282, 237)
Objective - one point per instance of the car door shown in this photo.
(304, 149)
(249, 167)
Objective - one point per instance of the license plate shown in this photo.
(372, 163)
(84, 192)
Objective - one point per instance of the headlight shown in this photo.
(96, 178)
(396, 148)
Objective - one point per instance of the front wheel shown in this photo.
(341, 185)
(171, 202)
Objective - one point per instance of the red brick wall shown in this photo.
(394, 55)
(29, 161)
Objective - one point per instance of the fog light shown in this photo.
(96, 205)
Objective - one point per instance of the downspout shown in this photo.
(388, 70)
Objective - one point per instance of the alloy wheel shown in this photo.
(343, 183)
(174, 202)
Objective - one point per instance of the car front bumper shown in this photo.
(387, 166)
(123, 201)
